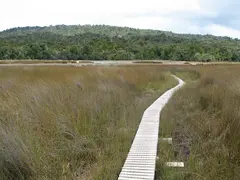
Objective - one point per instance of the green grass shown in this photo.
(72, 123)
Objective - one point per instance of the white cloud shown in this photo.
(219, 30)
(113, 7)
(45, 12)
(182, 16)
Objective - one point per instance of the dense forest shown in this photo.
(101, 42)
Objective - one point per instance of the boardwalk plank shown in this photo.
(141, 160)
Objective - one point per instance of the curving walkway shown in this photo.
(141, 159)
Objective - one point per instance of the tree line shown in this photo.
(102, 43)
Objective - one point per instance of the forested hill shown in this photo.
(101, 42)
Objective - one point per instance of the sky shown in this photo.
(217, 17)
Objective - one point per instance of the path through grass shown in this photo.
(204, 116)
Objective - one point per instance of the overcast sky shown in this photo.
(218, 17)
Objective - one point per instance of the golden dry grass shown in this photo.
(72, 123)
(205, 111)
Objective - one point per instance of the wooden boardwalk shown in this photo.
(141, 159)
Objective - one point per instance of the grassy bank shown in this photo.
(42, 61)
(203, 119)
(148, 62)
(72, 123)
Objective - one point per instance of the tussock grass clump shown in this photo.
(15, 157)
(208, 112)
(186, 74)
(72, 123)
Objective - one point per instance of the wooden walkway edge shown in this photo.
(141, 159)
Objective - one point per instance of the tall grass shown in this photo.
(72, 123)
(206, 112)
